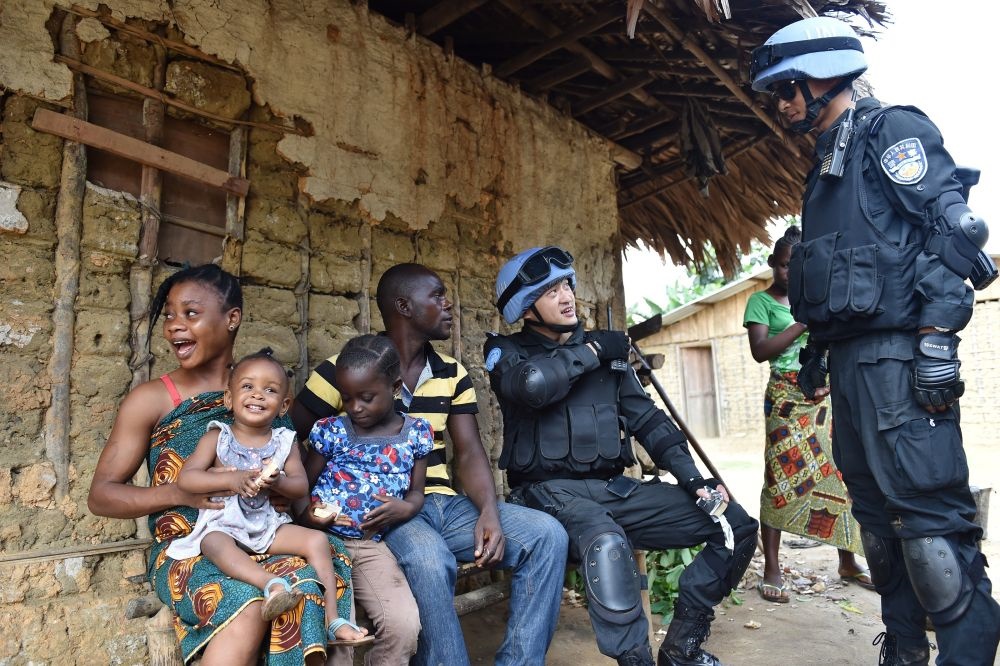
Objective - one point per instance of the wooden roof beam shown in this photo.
(724, 77)
(610, 94)
(538, 21)
(564, 38)
(561, 74)
(445, 13)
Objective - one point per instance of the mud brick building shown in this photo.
(306, 146)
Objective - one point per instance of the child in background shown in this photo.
(367, 469)
(251, 458)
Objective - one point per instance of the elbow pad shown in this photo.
(534, 384)
(958, 236)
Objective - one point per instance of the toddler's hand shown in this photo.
(246, 482)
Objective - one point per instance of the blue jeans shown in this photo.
(428, 548)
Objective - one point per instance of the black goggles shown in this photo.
(535, 270)
(769, 55)
(786, 90)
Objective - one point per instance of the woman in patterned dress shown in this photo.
(161, 421)
(803, 491)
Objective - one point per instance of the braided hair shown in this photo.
(371, 350)
(263, 354)
(209, 275)
(791, 237)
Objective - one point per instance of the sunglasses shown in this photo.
(536, 269)
(785, 90)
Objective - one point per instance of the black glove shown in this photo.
(694, 484)
(936, 382)
(610, 345)
(812, 374)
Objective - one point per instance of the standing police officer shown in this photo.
(570, 403)
(879, 277)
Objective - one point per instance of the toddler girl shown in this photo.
(367, 469)
(251, 458)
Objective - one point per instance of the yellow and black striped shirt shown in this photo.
(448, 391)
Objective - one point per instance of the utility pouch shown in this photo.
(622, 486)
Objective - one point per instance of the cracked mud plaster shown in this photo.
(399, 128)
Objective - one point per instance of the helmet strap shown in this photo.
(816, 104)
(541, 323)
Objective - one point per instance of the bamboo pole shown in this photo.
(69, 214)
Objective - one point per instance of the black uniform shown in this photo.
(864, 282)
(568, 418)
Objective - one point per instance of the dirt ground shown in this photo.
(839, 620)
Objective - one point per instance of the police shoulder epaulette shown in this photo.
(881, 113)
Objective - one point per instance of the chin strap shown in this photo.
(816, 104)
(541, 323)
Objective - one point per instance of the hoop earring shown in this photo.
(232, 327)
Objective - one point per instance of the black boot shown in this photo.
(895, 653)
(637, 656)
(682, 644)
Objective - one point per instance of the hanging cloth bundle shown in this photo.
(700, 144)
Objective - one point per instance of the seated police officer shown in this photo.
(570, 403)
(879, 278)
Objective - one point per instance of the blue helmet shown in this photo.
(526, 277)
(821, 47)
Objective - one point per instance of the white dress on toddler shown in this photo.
(251, 522)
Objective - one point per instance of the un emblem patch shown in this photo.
(905, 162)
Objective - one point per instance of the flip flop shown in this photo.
(858, 579)
(802, 543)
(278, 602)
(782, 597)
(331, 634)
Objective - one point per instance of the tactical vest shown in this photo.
(845, 278)
(580, 437)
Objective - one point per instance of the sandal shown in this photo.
(773, 593)
(861, 579)
(331, 634)
(278, 602)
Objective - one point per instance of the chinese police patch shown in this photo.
(905, 162)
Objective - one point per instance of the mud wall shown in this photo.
(414, 156)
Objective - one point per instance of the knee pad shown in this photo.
(611, 576)
(743, 551)
(885, 560)
(942, 582)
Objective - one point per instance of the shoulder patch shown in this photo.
(905, 161)
(492, 358)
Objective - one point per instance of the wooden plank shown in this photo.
(539, 21)
(565, 38)
(113, 79)
(554, 77)
(34, 556)
(138, 151)
(611, 93)
(445, 13)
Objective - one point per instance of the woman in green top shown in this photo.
(803, 491)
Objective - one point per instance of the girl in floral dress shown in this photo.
(367, 469)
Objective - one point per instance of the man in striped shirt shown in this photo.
(453, 527)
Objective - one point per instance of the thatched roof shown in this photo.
(702, 158)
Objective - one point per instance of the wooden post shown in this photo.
(161, 640)
(232, 244)
(365, 304)
(141, 273)
(69, 214)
